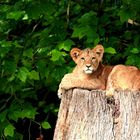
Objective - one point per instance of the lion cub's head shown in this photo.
(87, 60)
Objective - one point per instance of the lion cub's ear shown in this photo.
(75, 53)
(99, 50)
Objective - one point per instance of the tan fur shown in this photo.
(89, 73)
(123, 78)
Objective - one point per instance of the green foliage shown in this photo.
(9, 130)
(35, 39)
(46, 125)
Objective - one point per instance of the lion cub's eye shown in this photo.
(83, 58)
(93, 58)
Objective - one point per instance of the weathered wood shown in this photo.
(84, 115)
(128, 126)
(87, 115)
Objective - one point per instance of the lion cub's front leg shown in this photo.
(70, 81)
(66, 83)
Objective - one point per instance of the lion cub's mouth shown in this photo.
(88, 70)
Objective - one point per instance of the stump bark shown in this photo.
(89, 115)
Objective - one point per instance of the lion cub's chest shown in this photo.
(87, 81)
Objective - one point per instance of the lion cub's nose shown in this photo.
(88, 65)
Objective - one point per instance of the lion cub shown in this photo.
(89, 73)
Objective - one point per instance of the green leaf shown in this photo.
(4, 51)
(9, 66)
(45, 125)
(78, 32)
(110, 50)
(9, 130)
(57, 55)
(133, 59)
(15, 15)
(135, 50)
(66, 45)
(23, 73)
(41, 65)
(34, 75)
(26, 63)
(29, 113)
(125, 13)
(96, 41)
(88, 31)
(15, 115)
(88, 18)
(3, 116)
(34, 10)
(28, 53)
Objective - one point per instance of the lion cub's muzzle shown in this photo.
(88, 69)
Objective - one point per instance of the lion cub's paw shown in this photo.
(109, 93)
(60, 92)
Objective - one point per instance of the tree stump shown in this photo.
(128, 125)
(89, 115)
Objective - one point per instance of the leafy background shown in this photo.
(35, 39)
